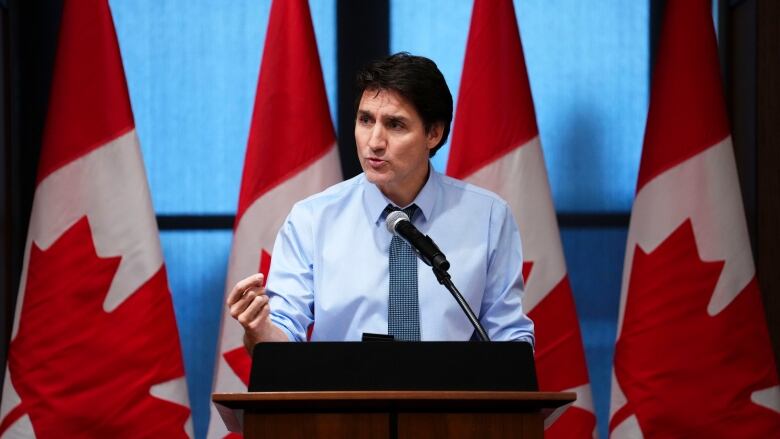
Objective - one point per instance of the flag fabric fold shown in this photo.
(495, 145)
(94, 347)
(291, 154)
(693, 356)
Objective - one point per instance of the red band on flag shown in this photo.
(89, 104)
(289, 94)
(687, 112)
(494, 92)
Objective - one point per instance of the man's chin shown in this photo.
(375, 177)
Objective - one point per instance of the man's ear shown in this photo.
(433, 136)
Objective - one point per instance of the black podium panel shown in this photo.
(340, 366)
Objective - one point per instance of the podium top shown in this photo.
(388, 399)
(393, 366)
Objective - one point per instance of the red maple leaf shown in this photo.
(82, 372)
(559, 355)
(240, 363)
(686, 373)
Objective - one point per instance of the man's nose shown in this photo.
(377, 139)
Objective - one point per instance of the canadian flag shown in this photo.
(94, 347)
(291, 154)
(495, 145)
(693, 356)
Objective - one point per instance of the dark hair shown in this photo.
(416, 79)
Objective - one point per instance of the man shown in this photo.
(335, 265)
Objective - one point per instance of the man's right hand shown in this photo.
(248, 304)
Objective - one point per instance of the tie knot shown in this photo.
(409, 211)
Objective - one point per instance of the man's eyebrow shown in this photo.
(364, 113)
(401, 119)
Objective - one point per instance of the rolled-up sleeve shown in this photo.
(502, 311)
(290, 283)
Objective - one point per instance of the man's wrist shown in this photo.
(269, 332)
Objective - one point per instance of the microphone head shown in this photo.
(393, 218)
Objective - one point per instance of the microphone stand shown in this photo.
(444, 278)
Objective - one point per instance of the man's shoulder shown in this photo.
(335, 194)
(474, 193)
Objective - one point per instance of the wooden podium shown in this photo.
(389, 414)
(391, 390)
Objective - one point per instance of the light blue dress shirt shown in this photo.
(330, 264)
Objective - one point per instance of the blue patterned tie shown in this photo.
(403, 312)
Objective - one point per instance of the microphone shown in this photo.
(398, 224)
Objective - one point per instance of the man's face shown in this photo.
(392, 144)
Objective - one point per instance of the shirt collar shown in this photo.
(375, 202)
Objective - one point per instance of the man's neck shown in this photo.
(403, 198)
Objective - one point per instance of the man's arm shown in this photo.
(502, 312)
(282, 312)
(290, 286)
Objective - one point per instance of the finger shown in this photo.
(253, 310)
(242, 286)
(255, 291)
(244, 301)
(250, 294)
(261, 317)
(238, 308)
(256, 280)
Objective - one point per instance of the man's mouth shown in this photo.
(375, 162)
